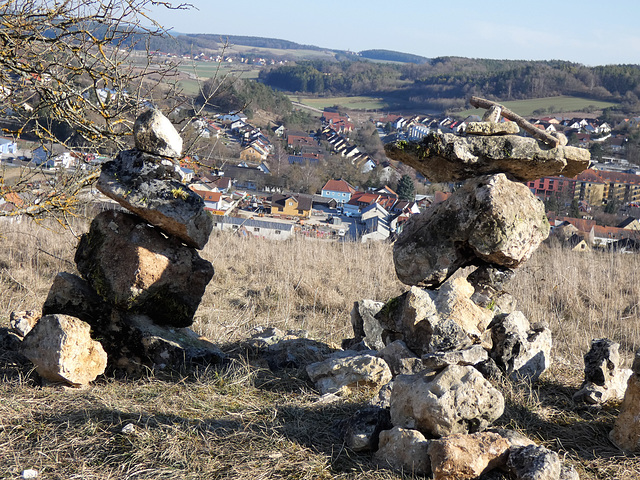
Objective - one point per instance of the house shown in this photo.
(257, 228)
(253, 153)
(279, 131)
(630, 223)
(8, 146)
(376, 223)
(291, 205)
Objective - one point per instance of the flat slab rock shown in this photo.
(135, 267)
(148, 186)
(445, 157)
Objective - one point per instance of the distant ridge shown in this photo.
(260, 42)
(393, 56)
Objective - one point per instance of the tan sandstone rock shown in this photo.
(404, 450)
(445, 157)
(21, 323)
(467, 456)
(62, 350)
(456, 400)
(489, 219)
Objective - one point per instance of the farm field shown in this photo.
(351, 103)
(205, 70)
(548, 105)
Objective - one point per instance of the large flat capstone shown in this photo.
(445, 157)
(148, 186)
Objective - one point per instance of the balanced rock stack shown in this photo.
(460, 324)
(141, 276)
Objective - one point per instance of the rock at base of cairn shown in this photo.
(445, 157)
(361, 432)
(520, 351)
(62, 350)
(626, 429)
(604, 380)
(404, 450)
(489, 220)
(456, 400)
(366, 327)
(149, 187)
(136, 268)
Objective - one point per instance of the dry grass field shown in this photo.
(242, 420)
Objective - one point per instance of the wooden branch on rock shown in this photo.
(521, 122)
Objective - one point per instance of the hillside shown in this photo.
(244, 420)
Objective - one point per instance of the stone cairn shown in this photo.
(430, 349)
(141, 276)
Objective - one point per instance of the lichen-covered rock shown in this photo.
(492, 128)
(519, 350)
(62, 350)
(534, 463)
(435, 320)
(464, 457)
(400, 359)
(149, 187)
(349, 373)
(366, 327)
(155, 134)
(468, 356)
(135, 267)
(456, 400)
(445, 157)
(488, 220)
(604, 380)
(404, 450)
(72, 295)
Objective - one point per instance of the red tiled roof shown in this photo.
(339, 186)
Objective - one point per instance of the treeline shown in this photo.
(392, 56)
(447, 82)
(349, 78)
(232, 94)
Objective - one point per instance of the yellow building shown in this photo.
(291, 205)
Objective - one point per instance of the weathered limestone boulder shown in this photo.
(519, 350)
(349, 373)
(155, 134)
(492, 128)
(489, 282)
(400, 359)
(626, 429)
(488, 220)
(295, 352)
(72, 295)
(456, 400)
(136, 268)
(366, 327)
(463, 456)
(383, 398)
(404, 450)
(445, 157)
(604, 380)
(21, 323)
(469, 356)
(435, 320)
(534, 463)
(62, 350)
(361, 432)
(149, 187)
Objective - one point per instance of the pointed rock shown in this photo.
(155, 134)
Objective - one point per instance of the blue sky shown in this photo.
(589, 32)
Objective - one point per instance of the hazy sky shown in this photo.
(589, 32)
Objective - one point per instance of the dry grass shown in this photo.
(245, 421)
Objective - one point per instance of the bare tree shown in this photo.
(74, 73)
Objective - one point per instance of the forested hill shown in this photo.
(392, 56)
(447, 82)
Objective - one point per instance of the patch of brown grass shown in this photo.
(245, 421)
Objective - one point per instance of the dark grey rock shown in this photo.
(361, 432)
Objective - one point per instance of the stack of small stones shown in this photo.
(456, 320)
(141, 276)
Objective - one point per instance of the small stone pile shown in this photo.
(456, 324)
(142, 278)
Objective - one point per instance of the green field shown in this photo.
(549, 106)
(351, 103)
(206, 70)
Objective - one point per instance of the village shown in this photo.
(245, 194)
